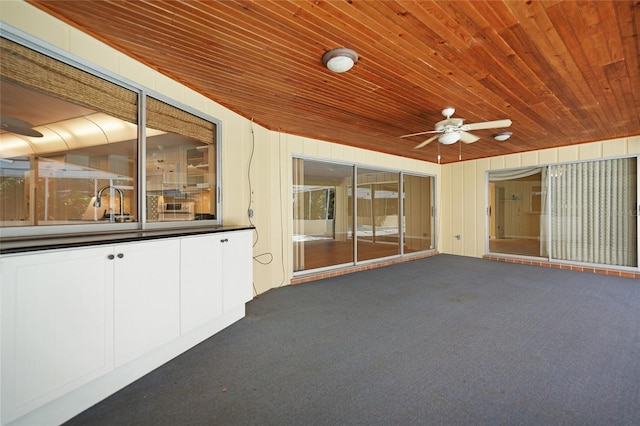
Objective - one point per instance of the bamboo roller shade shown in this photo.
(162, 116)
(35, 70)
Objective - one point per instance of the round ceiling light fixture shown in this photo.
(449, 138)
(502, 136)
(340, 60)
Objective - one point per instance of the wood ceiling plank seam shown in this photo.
(627, 122)
(153, 25)
(475, 28)
(128, 49)
(447, 28)
(460, 14)
(502, 54)
(396, 51)
(543, 124)
(326, 96)
(385, 84)
(210, 29)
(282, 35)
(536, 60)
(315, 17)
(372, 39)
(447, 55)
(444, 85)
(525, 33)
(496, 14)
(510, 81)
(382, 17)
(608, 30)
(628, 22)
(129, 46)
(516, 37)
(564, 75)
(213, 15)
(352, 118)
(594, 85)
(245, 55)
(399, 79)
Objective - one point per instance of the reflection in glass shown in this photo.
(52, 176)
(377, 214)
(322, 215)
(418, 213)
(180, 166)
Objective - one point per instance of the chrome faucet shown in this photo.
(97, 202)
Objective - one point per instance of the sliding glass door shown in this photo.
(377, 214)
(593, 212)
(322, 214)
(388, 214)
(515, 211)
(584, 212)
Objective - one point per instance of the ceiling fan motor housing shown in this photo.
(449, 124)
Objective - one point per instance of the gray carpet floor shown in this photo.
(442, 340)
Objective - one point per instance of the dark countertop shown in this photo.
(62, 241)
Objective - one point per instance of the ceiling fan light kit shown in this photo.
(451, 130)
(449, 138)
(340, 60)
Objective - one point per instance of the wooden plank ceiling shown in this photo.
(565, 72)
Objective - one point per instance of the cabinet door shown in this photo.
(237, 270)
(146, 297)
(200, 281)
(57, 324)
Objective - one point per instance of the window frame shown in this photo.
(15, 35)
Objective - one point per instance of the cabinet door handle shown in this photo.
(111, 257)
(225, 240)
(120, 255)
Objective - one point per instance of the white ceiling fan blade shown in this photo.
(488, 125)
(419, 133)
(431, 139)
(468, 137)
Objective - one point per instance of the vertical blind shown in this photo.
(593, 212)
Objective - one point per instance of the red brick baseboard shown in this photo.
(546, 264)
(299, 279)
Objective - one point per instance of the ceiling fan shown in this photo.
(452, 130)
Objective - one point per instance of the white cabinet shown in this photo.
(57, 325)
(147, 282)
(79, 324)
(200, 284)
(236, 268)
(216, 276)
